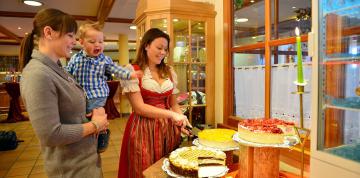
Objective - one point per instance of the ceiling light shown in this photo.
(252, 1)
(241, 20)
(33, 3)
(132, 27)
(175, 20)
(19, 28)
(294, 7)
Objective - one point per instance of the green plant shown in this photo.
(238, 4)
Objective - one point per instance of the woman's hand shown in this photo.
(136, 74)
(182, 121)
(100, 117)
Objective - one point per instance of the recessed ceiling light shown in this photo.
(252, 1)
(19, 28)
(175, 20)
(241, 20)
(294, 7)
(132, 27)
(33, 3)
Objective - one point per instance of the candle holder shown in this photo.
(300, 91)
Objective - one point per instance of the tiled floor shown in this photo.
(27, 162)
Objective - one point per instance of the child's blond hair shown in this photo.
(89, 25)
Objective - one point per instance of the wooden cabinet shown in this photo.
(192, 50)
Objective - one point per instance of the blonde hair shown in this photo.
(89, 25)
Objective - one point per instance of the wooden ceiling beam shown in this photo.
(77, 17)
(10, 34)
(104, 10)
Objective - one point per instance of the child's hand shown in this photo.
(136, 74)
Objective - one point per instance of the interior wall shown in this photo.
(219, 61)
(9, 50)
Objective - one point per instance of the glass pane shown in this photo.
(181, 40)
(198, 50)
(248, 22)
(340, 36)
(287, 54)
(181, 70)
(339, 78)
(349, 145)
(249, 84)
(198, 116)
(284, 103)
(291, 14)
(198, 77)
(159, 23)
(9, 63)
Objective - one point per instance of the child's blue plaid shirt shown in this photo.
(89, 72)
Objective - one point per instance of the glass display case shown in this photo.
(191, 50)
(337, 89)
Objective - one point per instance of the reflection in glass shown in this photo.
(160, 24)
(182, 77)
(181, 40)
(198, 116)
(286, 54)
(248, 23)
(198, 76)
(198, 42)
(291, 14)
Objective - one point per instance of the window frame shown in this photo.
(228, 115)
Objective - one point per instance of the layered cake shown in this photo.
(186, 161)
(267, 131)
(217, 138)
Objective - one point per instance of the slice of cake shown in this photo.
(217, 138)
(186, 161)
(267, 131)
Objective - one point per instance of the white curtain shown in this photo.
(250, 92)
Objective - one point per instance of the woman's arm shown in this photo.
(176, 108)
(174, 104)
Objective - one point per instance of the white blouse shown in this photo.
(149, 83)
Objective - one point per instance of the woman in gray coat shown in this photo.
(55, 102)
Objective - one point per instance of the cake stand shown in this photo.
(261, 160)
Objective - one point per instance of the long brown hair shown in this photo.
(142, 58)
(54, 18)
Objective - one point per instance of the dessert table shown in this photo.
(155, 170)
(14, 113)
(110, 107)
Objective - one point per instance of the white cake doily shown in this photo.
(166, 168)
(288, 141)
(197, 143)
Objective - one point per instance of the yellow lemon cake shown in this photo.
(217, 138)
